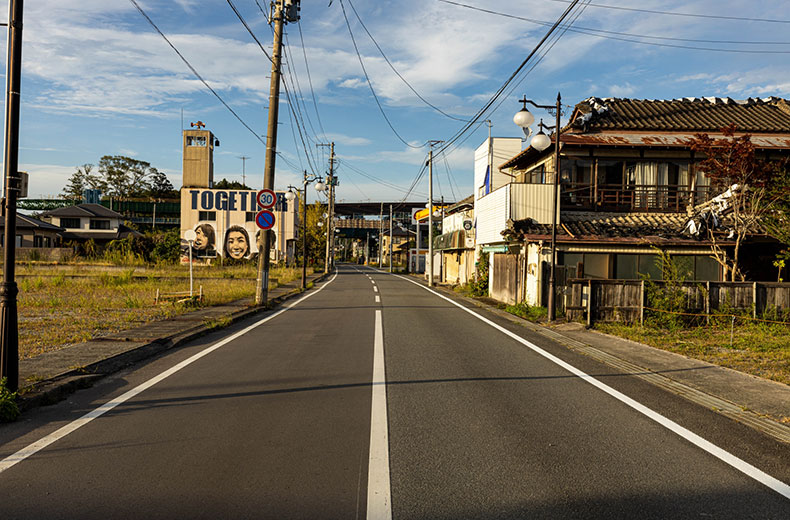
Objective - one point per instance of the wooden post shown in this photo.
(589, 302)
(642, 302)
(754, 300)
(707, 303)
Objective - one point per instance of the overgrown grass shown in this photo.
(529, 312)
(66, 304)
(760, 349)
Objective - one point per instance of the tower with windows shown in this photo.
(198, 148)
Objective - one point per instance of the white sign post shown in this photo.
(190, 237)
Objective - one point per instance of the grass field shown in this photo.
(65, 304)
(760, 349)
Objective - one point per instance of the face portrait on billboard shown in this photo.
(204, 237)
(237, 243)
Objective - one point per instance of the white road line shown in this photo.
(375, 289)
(725, 456)
(379, 501)
(378, 299)
(42, 443)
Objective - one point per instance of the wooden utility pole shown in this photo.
(330, 228)
(9, 326)
(264, 244)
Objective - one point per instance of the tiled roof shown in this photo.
(27, 222)
(630, 227)
(83, 210)
(770, 115)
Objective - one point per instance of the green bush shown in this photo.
(480, 284)
(9, 411)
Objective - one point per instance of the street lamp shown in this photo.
(540, 142)
(291, 195)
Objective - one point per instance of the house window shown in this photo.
(70, 223)
(536, 175)
(195, 140)
(207, 215)
(18, 241)
(250, 216)
(38, 241)
(580, 171)
(100, 224)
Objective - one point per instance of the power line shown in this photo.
(197, 75)
(367, 78)
(504, 86)
(362, 173)
(689, 15)
(628, 37)
(310, 81)
(396, 70)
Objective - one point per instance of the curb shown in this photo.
(57, 388)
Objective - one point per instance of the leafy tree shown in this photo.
(316, 235)
(83, 178)
(777, 220)
(727, 162)
(225, 184)
(160, 185)
(126, 177)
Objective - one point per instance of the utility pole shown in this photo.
(429, 264)
(264, 244)
(244, 168)
(381, 236)
(330, 228)
(9, 326)
(390, 237)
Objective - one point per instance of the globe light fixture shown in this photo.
(541, 142)
(290, 195)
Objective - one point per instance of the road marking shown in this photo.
(379, 501)
(378, 299)
(725, 456)
(375, 289)
(42, 443)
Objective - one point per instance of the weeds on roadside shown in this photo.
(528, 312)
(9, 411)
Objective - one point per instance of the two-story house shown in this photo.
(627, 181)
(85, 222)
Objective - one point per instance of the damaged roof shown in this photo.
(753, 115)
(634, 228)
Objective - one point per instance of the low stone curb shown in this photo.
(54, 389)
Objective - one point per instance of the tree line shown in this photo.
(121, 178)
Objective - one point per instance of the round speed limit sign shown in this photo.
(266, 198)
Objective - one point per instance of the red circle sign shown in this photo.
(265, 219)
(266, 198)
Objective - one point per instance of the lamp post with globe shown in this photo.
(291, 195)
(540, 142)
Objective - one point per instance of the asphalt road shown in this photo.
(374, 397)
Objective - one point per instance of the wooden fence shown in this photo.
(626, 300)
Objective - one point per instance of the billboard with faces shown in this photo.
(224, 223)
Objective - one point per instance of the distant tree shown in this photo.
(225, 184)
(83, 178)
(160, 185)
(126, 177)
(727, 162)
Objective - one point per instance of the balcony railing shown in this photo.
(633, 197)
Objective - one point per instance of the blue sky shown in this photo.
(98, 80)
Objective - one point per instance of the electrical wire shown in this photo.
(689, 15)
(396, 70)
(501, 90)
(362, 173)
(310, 81)
(450, 178)
(628, 37)
(370, 85)
(197, 75)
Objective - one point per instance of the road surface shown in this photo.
(375, 397)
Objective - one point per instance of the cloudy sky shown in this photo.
(99, 80)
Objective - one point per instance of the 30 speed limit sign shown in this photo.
(266, 198)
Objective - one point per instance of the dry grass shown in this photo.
(759, 349)
(62, 305)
